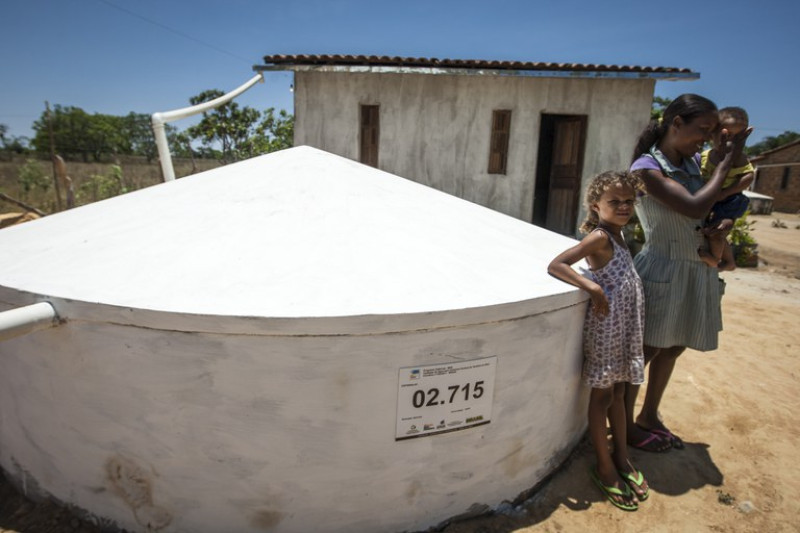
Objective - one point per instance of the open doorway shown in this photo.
(556, 197)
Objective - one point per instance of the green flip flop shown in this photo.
(636, 481)
(611, 491)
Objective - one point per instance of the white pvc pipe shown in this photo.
(23, 320)
(159, 119)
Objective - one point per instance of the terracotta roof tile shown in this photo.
(432, 62)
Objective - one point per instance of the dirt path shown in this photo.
(736, 408)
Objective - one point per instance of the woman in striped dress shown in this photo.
(682, 293)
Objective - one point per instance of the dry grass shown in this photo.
(137, 173)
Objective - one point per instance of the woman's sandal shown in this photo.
(654, 442)
(636, 482)
(674, 440)
(612, 492)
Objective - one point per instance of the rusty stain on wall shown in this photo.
(413, 491)
(517, 460)
(266, 519)
(133, 484)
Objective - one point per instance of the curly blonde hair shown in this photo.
(600, 184)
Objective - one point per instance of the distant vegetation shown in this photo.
(227, 133)
(106, 155)
(770, 143)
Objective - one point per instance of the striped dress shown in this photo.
(682, 293)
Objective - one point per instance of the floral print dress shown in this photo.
(613, 344)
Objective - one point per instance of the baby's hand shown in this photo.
(731, 146)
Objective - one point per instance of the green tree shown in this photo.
(107, 136)
(70, 126)
(10, 144)
(229, 125)
(659, 105)
(180, 144)
(137, 131)
(79, 135)
(772, 142)
(277, 131)
(241, 132)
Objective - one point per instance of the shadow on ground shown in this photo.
(672, 473)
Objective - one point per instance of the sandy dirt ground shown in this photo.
(736, 409)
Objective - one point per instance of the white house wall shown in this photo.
(435, 129)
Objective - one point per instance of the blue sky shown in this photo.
(117, 56)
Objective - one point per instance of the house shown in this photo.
(522, 138)
(778, 175)
(760, 204)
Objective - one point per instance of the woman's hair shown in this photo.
(686, 106)
(600, 184)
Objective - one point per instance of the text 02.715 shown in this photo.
(434, 396)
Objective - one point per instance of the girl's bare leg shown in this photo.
(617, 420)
(600, 400)
(618, 424)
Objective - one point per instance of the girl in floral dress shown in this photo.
(613, 330)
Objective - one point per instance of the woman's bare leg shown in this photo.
(636, 436)
(661, 368)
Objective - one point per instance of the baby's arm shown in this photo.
(593, 247)
(742, 183)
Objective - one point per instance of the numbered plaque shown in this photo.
(444, 397)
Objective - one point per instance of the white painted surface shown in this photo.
(26, 319)
(436, 129)
(297, 233)
(213, 409)
(757, 196)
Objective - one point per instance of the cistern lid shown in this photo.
(295, 233)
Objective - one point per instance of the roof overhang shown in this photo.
(360, 69)
(469, 67)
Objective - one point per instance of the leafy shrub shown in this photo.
(32, 177)
(102, 186)
(743, 243)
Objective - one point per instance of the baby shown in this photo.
(732, 202)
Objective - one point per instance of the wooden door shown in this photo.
(565, 174)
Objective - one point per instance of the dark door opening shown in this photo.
(557, 189)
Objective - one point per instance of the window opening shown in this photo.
(498, 144)
(370, 134)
